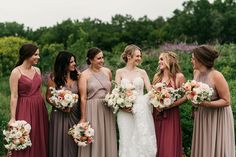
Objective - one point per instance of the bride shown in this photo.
(136, 126)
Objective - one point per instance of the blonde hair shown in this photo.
(172, 64)
(129, 51)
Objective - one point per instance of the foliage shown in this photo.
(224, 63)
(9, 48)
(200, 21)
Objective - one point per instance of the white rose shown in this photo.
(120, 101)
(167, 102)
(89, 132)
(68, 97)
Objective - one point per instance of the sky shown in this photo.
(38, 13)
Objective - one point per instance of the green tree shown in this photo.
(9, 50)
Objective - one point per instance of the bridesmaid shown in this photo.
(95, 83)
(27, 102)
(213, 130)
(167, 120)
(65, 75)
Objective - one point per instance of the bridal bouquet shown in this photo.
(162, 96)
(197, 92)
(121, 97)
(17, 135)
(63, 98)
(82, 133)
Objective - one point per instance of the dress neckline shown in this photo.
(29, 77)
(132, 81)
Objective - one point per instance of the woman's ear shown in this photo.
(129, 57)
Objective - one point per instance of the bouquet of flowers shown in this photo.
(197, 92)
(162, 96)
(121, 97)
(82, 133)
(63, 98)
(17, 135)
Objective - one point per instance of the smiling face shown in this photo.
(72, 64)
(98, 60)
(196, 64)
(135, 58)
(162, 62)
(35, 58)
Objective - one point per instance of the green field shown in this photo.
(225, 64)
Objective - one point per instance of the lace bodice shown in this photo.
(137, 83)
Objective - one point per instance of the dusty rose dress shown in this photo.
(213, 129)
(101, 119)
(32, 109)
(168, 132)
(60, 143)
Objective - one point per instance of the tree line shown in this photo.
(198, 22)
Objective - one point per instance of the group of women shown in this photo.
(142, 131)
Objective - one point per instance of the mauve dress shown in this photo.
(61, 144)
(101, 118)
(168, 132)
(32, 109)
(213, 129)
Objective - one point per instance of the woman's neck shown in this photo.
(94, 69)
(130, 67)
(204, 69)
(166, 73)
(25, 65)
(68, 75)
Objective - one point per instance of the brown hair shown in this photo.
(92, 52)
(25, 52)
(206, 55)
(172, 65)
(129, 51)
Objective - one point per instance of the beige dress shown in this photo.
(101, 118)
(213, 130)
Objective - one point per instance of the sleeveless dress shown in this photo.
(136, 129)
(32, 109)
(60, 143)
(213, 129)
(168, 132)
(101, 118)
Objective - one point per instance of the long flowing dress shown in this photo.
(168, 132)
(136, 129)
(213, 130)
(60, 143)
(101, 118)
(32, 109)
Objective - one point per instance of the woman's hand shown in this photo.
(127, 109)
(82, 120)
(159, 109)
(68, 109)
(12, 120)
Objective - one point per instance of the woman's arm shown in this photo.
(83, 95)
(146, 80)
(180, 79)
(48, 91)
(118, 76)
(13, 81)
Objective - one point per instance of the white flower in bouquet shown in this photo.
(63, 98)
(162, 96)
(82, 133)
(197, 92)
(121, 97)
(17, 135)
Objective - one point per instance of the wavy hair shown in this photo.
(61, 68)
(172, 64)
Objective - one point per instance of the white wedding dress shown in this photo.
(136, 129)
